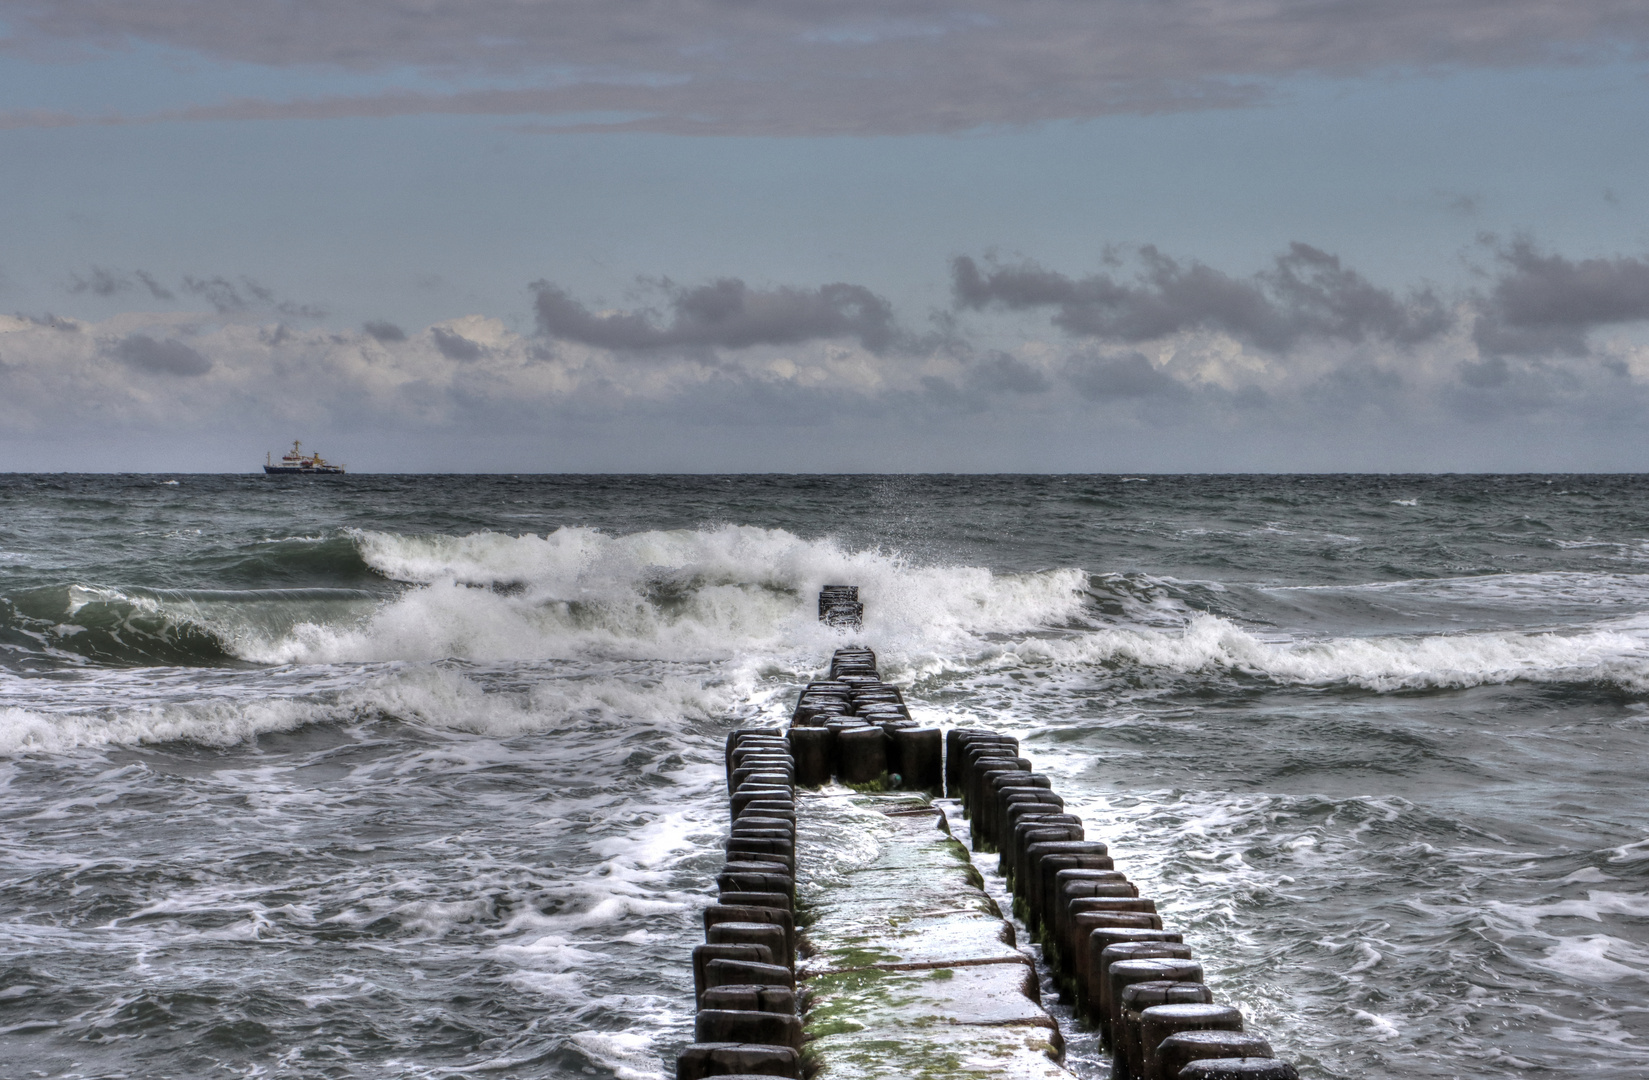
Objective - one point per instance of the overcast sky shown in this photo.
(710, 235)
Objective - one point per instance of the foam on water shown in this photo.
(498, 703)
(703, 594)
(1618, 654)
(436, 796)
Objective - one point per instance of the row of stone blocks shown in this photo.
(744, 975)
(1105, 944)
(853, 727)
(839, 606)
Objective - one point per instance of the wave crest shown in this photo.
(675, 595)
(1617, 655)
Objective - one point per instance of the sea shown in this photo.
(421, 776)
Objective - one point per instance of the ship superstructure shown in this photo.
(294, 461)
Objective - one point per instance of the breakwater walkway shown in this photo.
(896, 963)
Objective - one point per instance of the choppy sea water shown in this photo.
(420, 777)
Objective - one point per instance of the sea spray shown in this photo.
(415, 777)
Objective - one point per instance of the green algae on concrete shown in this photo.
(941, 1054)
(911, 970)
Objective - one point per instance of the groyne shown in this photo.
(901, 965)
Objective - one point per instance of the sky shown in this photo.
(808, 236)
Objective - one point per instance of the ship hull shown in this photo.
(291, 470)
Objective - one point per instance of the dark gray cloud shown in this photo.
(52, 322)
(1130, 376)
(386, 332)
(1305, 294)
(169, 357)
(455, 346)
(1541, 304)
(824, 66)
(100, 281)
(156, 289)
(724, 314)
(234, 297)
(1002, 373)
(220, 292)
(1464, 203)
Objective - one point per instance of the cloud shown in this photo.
(723, 314)
(1001, 372)
(1541, 304)
(161, 357)
(1306, 294)
(1151, 344)
(1464, 203)
(228, 297)
(100, 281)
(970, 400)
(52, 322)
(218, 291)
(1130, 376)
(808, 67)
(455, 346)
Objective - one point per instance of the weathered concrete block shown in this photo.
(768, 808)
(771, 935)
(1056, 934)
(914, 972)
(1092, 997)
(1086, 922)
(956, 740)
(1042, 862)
(784, 864)
(787, 833)
(705, 955)
(1177, 1051)
(1000, 995)
(1238, 1069)
(766, 845)
(783, 797)
(1141, 996)
(861, 754)
(1122, 973)
(754, 913)
(764, 776)
(737, 1059)
(737, 1025)
(756, 899)
(1160, 1021)
(921, 758)
(1019, 829)
(750, 997)
(756, 877)
(811, 749)
(720, 972)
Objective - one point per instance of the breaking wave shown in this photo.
(1617, 655)
(678, 595)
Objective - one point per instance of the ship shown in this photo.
(295, 462)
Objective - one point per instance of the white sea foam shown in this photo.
(215, 722)
(1618, 655)
(1596, 958)
(681, 595)
(431, 696)
(1596, 905)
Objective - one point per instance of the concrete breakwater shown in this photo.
(1106, 947)
(899, 964)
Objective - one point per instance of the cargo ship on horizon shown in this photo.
(295, 462)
